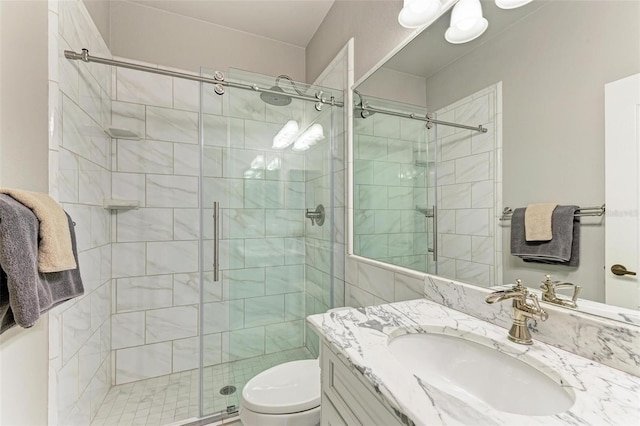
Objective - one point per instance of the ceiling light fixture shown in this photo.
(511, 4)
(467, 22)
(416, 13)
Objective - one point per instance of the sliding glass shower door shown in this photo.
(395, 208)
(265, 160)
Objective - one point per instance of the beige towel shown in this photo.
(537, 221)
(54, 247)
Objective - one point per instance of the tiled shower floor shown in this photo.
(169, 399)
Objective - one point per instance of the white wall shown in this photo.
(150, 35)
(23, 146)
(24, 95)
(100, 11)
(386, 83)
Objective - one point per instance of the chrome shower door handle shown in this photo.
(216, 242)
(435, 233)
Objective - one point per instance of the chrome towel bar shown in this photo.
(583, 211)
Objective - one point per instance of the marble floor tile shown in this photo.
(175, 397)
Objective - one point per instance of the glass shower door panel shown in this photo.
(253, 317)
(394, 197)
(216, 132)
(321, 293)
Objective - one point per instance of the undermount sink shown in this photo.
(467, 369)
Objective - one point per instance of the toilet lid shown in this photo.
(286, 388)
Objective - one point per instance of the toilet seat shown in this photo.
(287, 388)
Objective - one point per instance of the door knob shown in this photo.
(621, 270)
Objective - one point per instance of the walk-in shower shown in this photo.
(216, 270)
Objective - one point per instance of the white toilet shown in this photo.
(285, 395)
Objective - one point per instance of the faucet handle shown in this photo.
(576, 291)
(537, 310)
(549, 288)
(519, 287)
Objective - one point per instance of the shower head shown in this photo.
(276, 99)
(280, 98)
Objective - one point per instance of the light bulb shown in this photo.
(416, 13)
(467, 22)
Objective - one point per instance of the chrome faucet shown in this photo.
(549, 288)
(522, 311)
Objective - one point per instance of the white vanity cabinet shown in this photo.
(348, 398)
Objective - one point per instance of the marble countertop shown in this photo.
(603, 395)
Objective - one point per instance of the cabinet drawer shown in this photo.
(350, 395)
(330, 415)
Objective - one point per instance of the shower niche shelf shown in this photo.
(427, 212)
(424, 163)
(121, 133)
(112, 204)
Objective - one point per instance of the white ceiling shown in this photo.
(290, 21)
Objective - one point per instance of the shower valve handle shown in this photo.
(317, 216)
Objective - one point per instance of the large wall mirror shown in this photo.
(431, 198)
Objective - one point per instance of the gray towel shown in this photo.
(26, 293)
(562, 249)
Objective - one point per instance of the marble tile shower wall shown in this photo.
(155, 248)
(469, 187)
(391, 170)
(258, 306)
(80, 166)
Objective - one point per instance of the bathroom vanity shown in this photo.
(376, 369)
(348, 398)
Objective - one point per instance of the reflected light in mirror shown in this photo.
(274, 164)
(467, 22)
(309, 138)
(286, 135)
(258, 162)
(511, 4)
(416, 13)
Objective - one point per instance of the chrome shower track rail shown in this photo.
(217, 80)
(428, 118)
